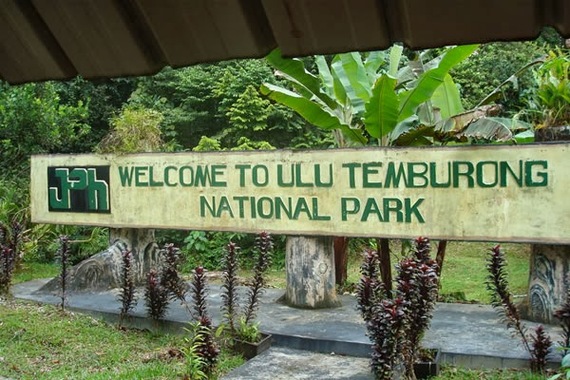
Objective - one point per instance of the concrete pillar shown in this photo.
(549, 263)
(310, 272)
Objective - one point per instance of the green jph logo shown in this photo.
(79, 189)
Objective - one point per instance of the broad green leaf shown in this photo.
(354, 69)
(294, 70)
(414, 136)
(373, 62)
(427, 114)
(354, 134)
(429, 81)
(331, 82)
(402, 128)
(325, 73)
(447, 99)
(342, 78)
(423, 90)
(339, 91)
(381, 113)
(459, 122)
(395, 57)
(514, 124)
(524, 137)
(310, 111)
(456, 55)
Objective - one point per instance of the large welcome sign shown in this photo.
(499, 193)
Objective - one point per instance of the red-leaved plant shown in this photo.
(397, 322)
(127, 292)
(206, 346)
(156, 296)
(263, 249)
(230, 284)
(169, 277)
(537, 345)
(10, 241)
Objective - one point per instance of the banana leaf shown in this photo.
(339, 72)
(446, 98)
(429, 81)
(294, 71)
(381, 114)
(309, 110)
(313, 112)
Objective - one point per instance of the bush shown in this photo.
(396, 321)
(206, 249)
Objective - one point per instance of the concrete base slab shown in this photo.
(282, 363)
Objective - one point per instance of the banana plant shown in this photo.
(374, 97)
(359, 98)
(379, 97)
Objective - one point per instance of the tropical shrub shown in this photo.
(264, 250)
(206, 346)
(494, 64)
(127, 295)
(397, 322)
(155, 296)
(553, 93)
(538, 344)
(7, 266)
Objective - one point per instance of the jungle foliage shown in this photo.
(219, 107)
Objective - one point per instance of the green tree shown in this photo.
(103, 99)
(219, 101)
(247, 116)
(134, 130)
(493, 64)
(33, 120)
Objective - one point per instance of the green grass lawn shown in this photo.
(453, 373)
(30, 271)
(41, 342)
(464, 268)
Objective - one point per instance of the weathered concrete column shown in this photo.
(548, 281)
(102, 271)
(310, 272)
(549, 263)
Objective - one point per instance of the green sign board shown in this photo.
(498, 193)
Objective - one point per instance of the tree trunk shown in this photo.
(383, 245)
(310, 272)
(549, 263)
(341, 260)
(440, 256)
(102, 270)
